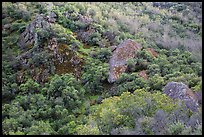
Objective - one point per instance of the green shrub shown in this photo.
(68, 88)
(41, 128)
(95, 72)
(29, 87)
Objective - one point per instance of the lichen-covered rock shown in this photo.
(178, 90)
(117, 63)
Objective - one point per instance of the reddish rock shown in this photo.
(143, 74)
(152, 52)
(178, 90)
(117, 63)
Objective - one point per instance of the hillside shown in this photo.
(102, 68)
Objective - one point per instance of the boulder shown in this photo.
(178, 90)
(28, 36)
(118, 61)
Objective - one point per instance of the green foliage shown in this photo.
(94, 38)
(16, 133)
(131, 64)
(153, 69)
(156, 82)
(103, 55)
(18, 26)
(145, 55)
(189, 79)
(57, 105)
(68, 129)
(176, 128)
(68, 88)
(130, 83)
(40, 128)
(120, 111)
(88, 129)
(95, 72)
(29, 87)
(62, 34)
(41, 58)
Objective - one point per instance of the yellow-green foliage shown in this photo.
(121, 111)
(87, 130)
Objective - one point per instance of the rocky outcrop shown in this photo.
(178, 90)
(27, 38)
(117, 63)
(52, 17)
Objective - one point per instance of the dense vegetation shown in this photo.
(43, 96)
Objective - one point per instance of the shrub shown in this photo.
(115, 112)
(95, 72)
(153, 69)
(68, 88)
(103, 55)
(87, 130)
(29, 87)
(156, 82)
(41, 128)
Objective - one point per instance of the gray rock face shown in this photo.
(52, 17)
(178, 90)
(117, 63)
(28, 36)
